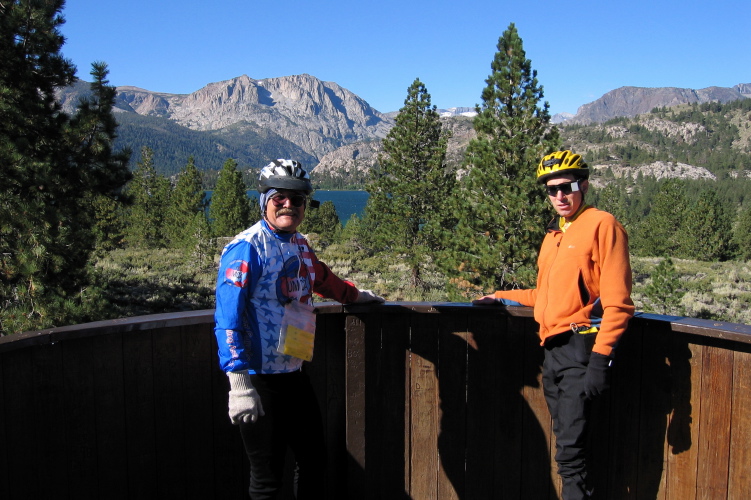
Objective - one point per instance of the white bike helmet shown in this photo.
(284, 174)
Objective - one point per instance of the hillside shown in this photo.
(687, 141)
(249, 144)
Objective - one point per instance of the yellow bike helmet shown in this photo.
(562, 162)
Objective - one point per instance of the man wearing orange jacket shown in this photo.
(582, 303)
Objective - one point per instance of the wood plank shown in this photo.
(169, 425)
(539, 472)
(683, 427)
(714, 423)
(424, 402)
(4, 479)
(740, 432)
(655, 406)
(138, 376)
(315, 370)
(46, 367)
(387, 344)
(355, 396)
(111, 432)
(335, 401)
(454, 342)
(21, 417)
(198, 355)
(80, 417)
(626, 386)
(483, 401)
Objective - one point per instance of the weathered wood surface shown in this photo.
(420, 401)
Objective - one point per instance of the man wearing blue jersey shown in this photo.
(264, 328)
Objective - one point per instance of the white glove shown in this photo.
(244, 401)
(368, 296)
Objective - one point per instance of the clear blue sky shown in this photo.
(580, 49)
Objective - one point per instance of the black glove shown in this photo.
(597, 378)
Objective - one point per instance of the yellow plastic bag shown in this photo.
(297, 334)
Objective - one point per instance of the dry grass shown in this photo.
(710, 290)
(140, 282)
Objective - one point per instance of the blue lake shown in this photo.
(345, 202)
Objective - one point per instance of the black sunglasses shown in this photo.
(297, 200)
(564, 187)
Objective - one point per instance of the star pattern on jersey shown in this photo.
(267, 310)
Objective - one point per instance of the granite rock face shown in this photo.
(632, 101)
(318, 116)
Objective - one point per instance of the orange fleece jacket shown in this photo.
(590, 261)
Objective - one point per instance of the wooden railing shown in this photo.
(420, 401)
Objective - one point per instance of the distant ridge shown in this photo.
(632, 101)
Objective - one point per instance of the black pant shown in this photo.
(292, 419)
(566, 359)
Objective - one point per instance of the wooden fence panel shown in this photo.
(169, 426)
(625, 393)
(199, 361)
(425, 404)
(714, 423)
(105, 363)
(420, 401)
(355, 413)
(683, 427)
(740, 443)
(20, 421)
(138, 351)
(387, 449)
(46, 412)
(80, 417)
(5, 482)
(654, 411)
(454, 342)
(484, 445)
(328, 377)
(539, 478)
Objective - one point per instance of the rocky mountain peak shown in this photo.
(632, 101)
(318, 116)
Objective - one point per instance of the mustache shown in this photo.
(285, 211)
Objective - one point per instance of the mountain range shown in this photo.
(317, 122)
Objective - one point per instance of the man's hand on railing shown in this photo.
(489, 300)
(244, 401)
(366, 296)
(485, 301)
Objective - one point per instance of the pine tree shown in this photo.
(612, 199)
(53, 170)
(502, 210)
(660, 234)
(229, 210)
(664, 291)
(324, 222)
(708, 229)
(94, 130)
(742, 234)
(150, 192)
(187, 199)
(204, 245)
(410, 186)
